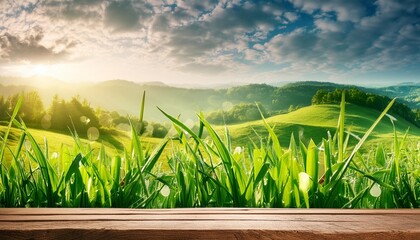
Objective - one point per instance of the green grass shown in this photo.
(314, 122)
(113, 142)
(211, 171)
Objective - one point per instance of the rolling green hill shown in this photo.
(113, 142)
(125, 96)
(311, 122)
(314, 122)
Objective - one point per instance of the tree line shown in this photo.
(74, 114)
(365, 99)
(242, 112)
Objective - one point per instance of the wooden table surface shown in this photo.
(208, 223)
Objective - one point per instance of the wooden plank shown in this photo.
(167, 217)
(276, 211)
(212, 223)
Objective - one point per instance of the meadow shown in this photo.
(222, 166)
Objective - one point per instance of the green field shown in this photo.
(314, 122)
(216, 168)
(311, 122)
(114, 143)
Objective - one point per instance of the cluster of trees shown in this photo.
(75, 114)
(31, 111)
(242, 112)
(251, 93)
(294, 95)
(114, 119)
(60, 116)
(370, 100)
(276, 99)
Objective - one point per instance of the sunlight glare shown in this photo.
(40, 69)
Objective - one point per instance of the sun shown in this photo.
(40, 69)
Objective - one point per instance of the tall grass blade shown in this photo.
(339, 174)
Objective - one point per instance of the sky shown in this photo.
(212, 42)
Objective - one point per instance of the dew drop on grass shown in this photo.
(238, 150)
(375, 191)
(93, 133)
(165, 191)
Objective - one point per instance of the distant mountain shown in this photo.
(35, 81)
(8, 90)
(125, 96)
(409, 93)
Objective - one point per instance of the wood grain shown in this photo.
(209, 223)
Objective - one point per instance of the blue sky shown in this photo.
(213, 42)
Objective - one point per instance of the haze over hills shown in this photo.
(125, 96)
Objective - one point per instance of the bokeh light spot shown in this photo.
(227, 106)
(93, 134)
(165, 191)
(46, 121)
(375, 191)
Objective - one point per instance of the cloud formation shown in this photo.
(123, 16)
(30, 49)
(204, 37)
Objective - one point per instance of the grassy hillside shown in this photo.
(311, 122)
(314, 122)
(113, 143)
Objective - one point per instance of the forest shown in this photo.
(369, 100)
(74, 115)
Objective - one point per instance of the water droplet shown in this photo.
(165, 191)
(375, 191)
(238, 150)
(54, 155)
(93, 134)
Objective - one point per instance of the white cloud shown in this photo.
(30, 49)
(346, 10)
(331, 37)
(291, 17)
(328, 25)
